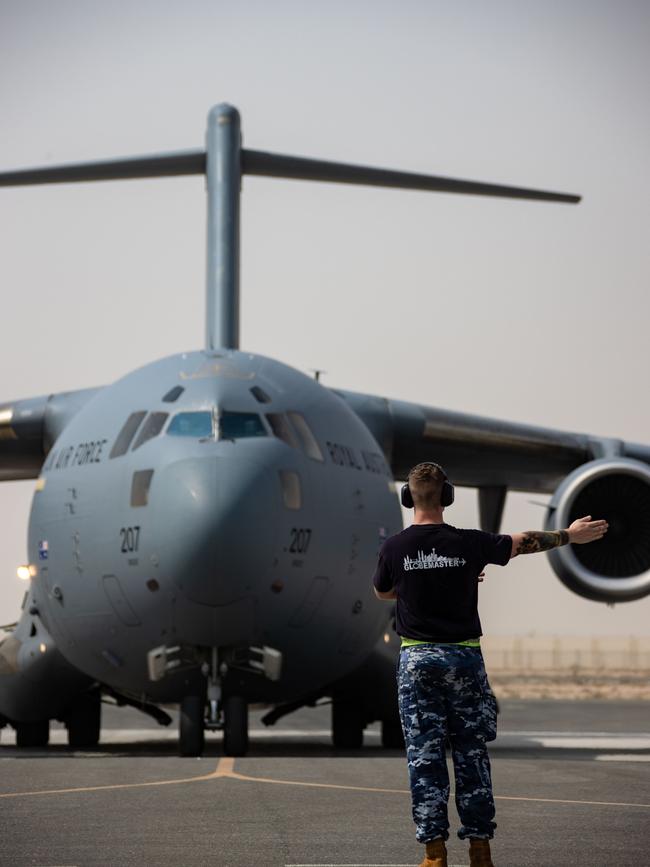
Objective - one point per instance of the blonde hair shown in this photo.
(425, 483)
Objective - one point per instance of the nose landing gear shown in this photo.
(235, 726)
(221, 705)
(231, 719)
(227, 711)
(191, 735)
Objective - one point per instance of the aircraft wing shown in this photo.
(587, 475)
(29, 427)
(477, 451)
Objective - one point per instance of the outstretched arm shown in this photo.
(580, 532)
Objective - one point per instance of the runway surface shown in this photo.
(572, 785)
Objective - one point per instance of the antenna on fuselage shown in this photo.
(224, 162)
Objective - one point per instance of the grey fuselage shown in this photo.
(221, 540)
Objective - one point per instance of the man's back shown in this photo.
(435, 568)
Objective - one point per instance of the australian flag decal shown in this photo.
(43, 550)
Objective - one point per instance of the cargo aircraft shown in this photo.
(203, 530)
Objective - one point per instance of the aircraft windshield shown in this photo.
(232, 425)
(191, 424)
(237, 425)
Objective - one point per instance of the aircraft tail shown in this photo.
(224, 162)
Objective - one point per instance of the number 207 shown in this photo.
(299, 540)
(130, 538)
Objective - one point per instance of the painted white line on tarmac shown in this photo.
(591, 743)
(605, 741)
(623, 757)
(549, 733)
(114, 736)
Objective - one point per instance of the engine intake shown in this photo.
(616, 568)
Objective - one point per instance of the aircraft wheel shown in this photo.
(392, 737)
(84, 720)
(347, 725)
(33, 734)
(235, 728)
(191, 734)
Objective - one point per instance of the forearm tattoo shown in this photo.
(538, 540)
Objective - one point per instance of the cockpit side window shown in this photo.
(239, 425)
(307, 438)
(151, 428)
(282, 429)
(127, 433)
(191, 424)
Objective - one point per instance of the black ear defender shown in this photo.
(446, 495)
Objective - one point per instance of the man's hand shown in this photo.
(579, 533)
(585, 530)
(389, 594)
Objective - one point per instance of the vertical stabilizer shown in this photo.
(223, 181)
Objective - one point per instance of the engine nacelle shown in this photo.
(616, 568)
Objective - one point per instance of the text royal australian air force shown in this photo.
(83, 454)
(346, 456)
(75, 456)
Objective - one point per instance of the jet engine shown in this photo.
(616, 568)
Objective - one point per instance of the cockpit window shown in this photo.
(151, 428)
(307, 439)
(127, 433)
(260, 395)
(238, 425)
(191, 424)
(173, 394)
(282, 429)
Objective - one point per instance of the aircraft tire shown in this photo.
(235, 729)
(33, 734)
(191, 733)
(347, 725)
(84, 720)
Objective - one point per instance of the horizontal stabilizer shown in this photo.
(264, 164)
(128, 168)
(299, 168)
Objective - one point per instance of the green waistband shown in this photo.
(412, 642)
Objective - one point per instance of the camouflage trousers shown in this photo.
(444, 694)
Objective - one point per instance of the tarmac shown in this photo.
(571, 780)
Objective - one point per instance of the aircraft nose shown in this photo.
(214, 526)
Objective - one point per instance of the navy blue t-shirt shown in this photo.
(434, 569)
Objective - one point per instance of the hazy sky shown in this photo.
(527, 311)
